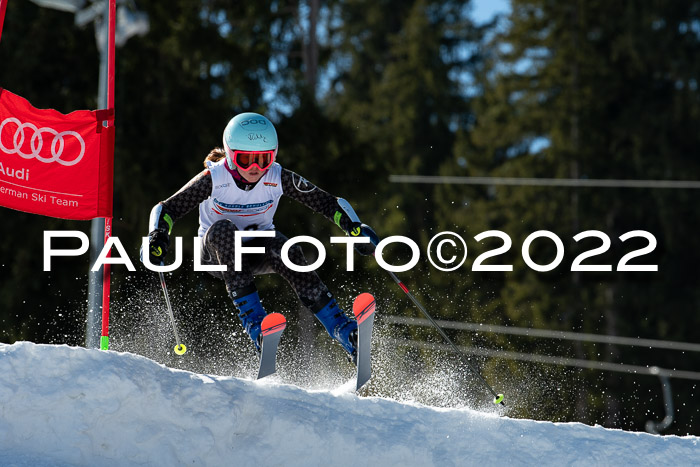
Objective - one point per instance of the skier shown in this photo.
(239, 189)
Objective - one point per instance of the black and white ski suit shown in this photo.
(218, 236)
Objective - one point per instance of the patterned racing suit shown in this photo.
(218, 238)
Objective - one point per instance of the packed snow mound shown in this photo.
(63, 405)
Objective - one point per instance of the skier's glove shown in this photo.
(158, 243)
(364, 230)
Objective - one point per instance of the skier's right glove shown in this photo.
(158, 243)
(364, 230)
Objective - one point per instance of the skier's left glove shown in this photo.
(159, 237)
(364, 230)
(158, 243)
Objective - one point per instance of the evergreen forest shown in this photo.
(426, 121)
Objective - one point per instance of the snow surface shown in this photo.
(63, 405)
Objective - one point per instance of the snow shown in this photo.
(63, 406)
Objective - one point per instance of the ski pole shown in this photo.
(179, 349)
(498, 398)
(350, 212)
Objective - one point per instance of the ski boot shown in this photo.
(340, 327)
(251, 314)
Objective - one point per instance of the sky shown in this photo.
(71, 406)
(484, 10)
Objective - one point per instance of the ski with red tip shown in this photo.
(363, 308)
(272, 327)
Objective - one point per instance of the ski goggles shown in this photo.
(245, 160)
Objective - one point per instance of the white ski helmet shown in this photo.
(249, 132)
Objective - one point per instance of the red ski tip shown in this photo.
(363, 306)
(274, 322)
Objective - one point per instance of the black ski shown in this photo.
(363, 308)
(272, 327)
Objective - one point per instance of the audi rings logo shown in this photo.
(36, 142)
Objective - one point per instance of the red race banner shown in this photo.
(3, 7)
(55, 164)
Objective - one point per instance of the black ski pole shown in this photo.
(498, 398)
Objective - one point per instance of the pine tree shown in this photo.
(589, 90)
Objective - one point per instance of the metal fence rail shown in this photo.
(564, 182)
(550, 334)
(550, 360)
(664, 374)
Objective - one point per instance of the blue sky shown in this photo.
(483, 10)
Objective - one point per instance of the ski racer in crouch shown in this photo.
(240, 189)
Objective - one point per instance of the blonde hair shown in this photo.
(215, 155)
